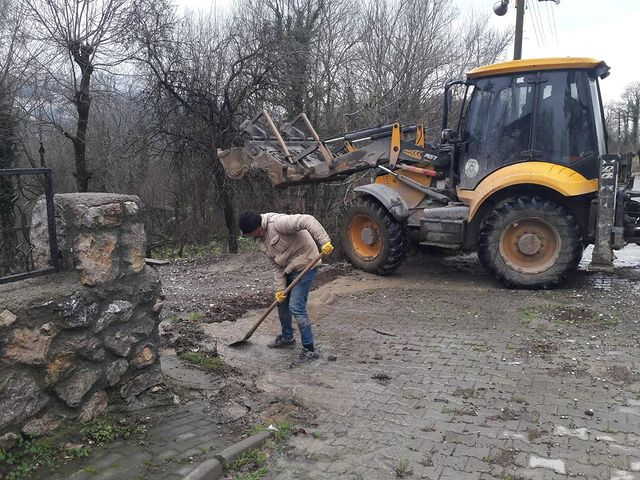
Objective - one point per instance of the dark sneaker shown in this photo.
(282, 342)
(307, 355)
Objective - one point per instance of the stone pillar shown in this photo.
(101, 235)
(74, 342)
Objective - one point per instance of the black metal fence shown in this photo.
(20, 188)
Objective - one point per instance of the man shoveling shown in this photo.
(290, 241)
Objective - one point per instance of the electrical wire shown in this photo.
(552, 22)
(546, 26)
(538, 19)
(535, 27)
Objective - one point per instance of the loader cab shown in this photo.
(545, 110)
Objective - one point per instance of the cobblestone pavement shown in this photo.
(439, 373)
(174, 445)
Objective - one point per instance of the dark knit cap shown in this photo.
(249, 221)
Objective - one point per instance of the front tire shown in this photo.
(372, 239)
(530, 242)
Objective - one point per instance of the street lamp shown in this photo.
(500, 8)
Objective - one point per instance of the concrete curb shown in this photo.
(213, 469)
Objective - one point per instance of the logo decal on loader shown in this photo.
(429, 157)
(413, 153)
(608, 171)
(471, 168)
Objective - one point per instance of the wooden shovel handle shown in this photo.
(309, 266)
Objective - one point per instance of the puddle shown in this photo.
(626, 257)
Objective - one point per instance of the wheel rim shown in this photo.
(365, 236)
(530, 245)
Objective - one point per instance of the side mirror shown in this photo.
(449, 135)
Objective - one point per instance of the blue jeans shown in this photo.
(296, 305)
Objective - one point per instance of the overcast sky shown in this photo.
(602, 29)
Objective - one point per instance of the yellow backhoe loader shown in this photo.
(523, 177)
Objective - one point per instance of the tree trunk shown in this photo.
(8, 236)
(228, 202)
(82, 56)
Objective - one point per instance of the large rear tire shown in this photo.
(530, 242)
(372, 239)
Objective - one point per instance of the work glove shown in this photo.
(327, 248)
(280, 296)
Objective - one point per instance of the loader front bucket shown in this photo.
(235, 163)
(292, 156)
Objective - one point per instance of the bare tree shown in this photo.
(631, 99)
(207, 71)
(11, 79)
(82, 36)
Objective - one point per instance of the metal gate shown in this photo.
(20, 189)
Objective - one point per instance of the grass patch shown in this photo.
(250, 466)
(197, 316)
(285, 429)
(528, 314)
(107, 429)
(402, 468)
(247, 245)
(196, 358)
(189, 250)
(251, 457)
(28, 456)
(32, 454)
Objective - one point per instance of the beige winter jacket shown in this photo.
(289, 241)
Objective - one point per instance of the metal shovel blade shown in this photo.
(237, 343)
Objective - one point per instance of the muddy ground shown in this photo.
(220, 288)
(436, 371)
(214, 289)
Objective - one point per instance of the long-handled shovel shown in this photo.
(274, 304)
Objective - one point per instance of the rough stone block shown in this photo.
(7, 318)
(30, 346)
(142, 382)
(95, 406)
(92, 350)
(120, 342)
(20, 398)
(145, 355)
(107, 215)
(74, 388)
(131, 208)
(76, 313)
(94, 259)
(115, 370)
(133, 246)
(119, 311)
(59, 367)
(41, 426)
(40, 232)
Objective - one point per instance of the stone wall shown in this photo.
(74, 342)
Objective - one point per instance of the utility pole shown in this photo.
(500, 8)
(517, 50)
